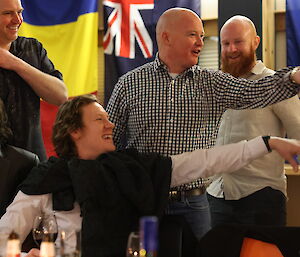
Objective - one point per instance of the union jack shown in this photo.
(126, 25)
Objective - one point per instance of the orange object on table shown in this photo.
(256, 248)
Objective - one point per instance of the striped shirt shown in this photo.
(156, 113)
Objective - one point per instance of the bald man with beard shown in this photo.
(255, 194)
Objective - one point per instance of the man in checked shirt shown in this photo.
(171, 105)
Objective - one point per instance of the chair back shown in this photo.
(256, 248)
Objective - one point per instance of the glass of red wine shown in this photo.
(44, 224)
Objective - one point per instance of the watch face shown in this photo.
(293, 73)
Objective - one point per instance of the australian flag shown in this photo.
(293, 32)
(129, 39)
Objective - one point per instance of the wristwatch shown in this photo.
(266, 141)
(292, 74)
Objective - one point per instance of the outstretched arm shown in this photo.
(190, 166)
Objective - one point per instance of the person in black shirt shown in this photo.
(26, 75)
(15, 164)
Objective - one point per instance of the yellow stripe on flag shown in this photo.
(73, 48)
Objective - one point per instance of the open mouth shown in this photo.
(233, 57)
(107, 137)
(14, 28)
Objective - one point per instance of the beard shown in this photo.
(240, 68)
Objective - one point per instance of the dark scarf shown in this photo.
(113, 191)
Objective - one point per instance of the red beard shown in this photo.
(245, 64)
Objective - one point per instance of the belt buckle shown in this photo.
(196, 191)
(174, 195)
(202, 189)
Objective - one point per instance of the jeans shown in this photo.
(195, 209)
(264, 207)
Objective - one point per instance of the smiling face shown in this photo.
(238, 45)
(95, 136)
(10, 21)
(180, 36)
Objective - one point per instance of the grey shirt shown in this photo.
(275, 120)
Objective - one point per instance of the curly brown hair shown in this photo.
(5, 131)
(68, 119)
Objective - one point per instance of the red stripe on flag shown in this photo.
(125, 38)
(48, 114)
(142, 41)
(106, 42)
(127, 2)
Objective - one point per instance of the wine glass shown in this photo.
(44, 224)
(3, 241)
(133, 245)
(70, 243)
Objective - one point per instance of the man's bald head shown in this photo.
(170, 19)
(240, 20)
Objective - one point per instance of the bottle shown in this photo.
(148, 236)
(13, 245)
(47, 247)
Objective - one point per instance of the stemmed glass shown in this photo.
(70, 243)
(44, 224)
(133, 245)
(4, 233)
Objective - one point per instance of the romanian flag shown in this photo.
(68, 30)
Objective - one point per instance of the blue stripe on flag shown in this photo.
(293, 32)
(53, 12)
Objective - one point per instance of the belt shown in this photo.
(175, 195)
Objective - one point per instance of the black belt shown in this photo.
(175, 195)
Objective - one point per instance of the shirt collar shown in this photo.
(257, 69)
(159, 64)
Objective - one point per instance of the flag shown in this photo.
(293, 32)
(129, 39)
(68, 30)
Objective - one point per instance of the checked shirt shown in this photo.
(156, 113)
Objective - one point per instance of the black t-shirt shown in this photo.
(21, 102)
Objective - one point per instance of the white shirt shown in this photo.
(275, 120)
(21, 212)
